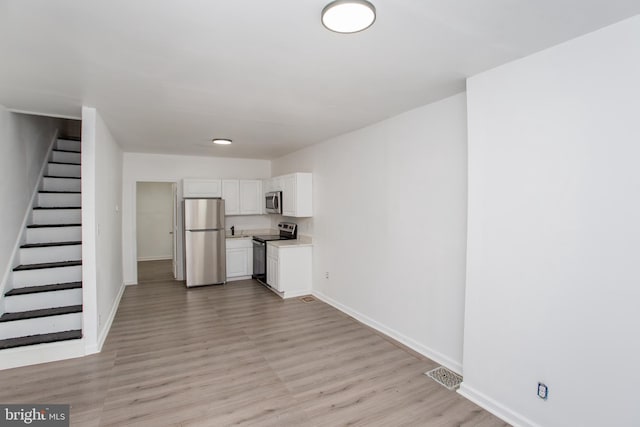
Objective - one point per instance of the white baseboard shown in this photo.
(297, 293)
(494, 407)
(41, 353)
(235, 279)
(412, 344)
(155, 258)
(107, 326)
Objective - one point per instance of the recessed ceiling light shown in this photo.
(348, 16)
(221, 141)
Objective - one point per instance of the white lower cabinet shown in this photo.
(272, 271)
(239, 259)
(289, 270)
(237, 262)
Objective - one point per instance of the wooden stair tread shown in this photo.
(61, 177)
(50, 244)
(43, 288)
(57, 207)
(69, 138)
(64, 163)
(65, 151)
(24, 267)
(40, 339)
(43, 312)
(58, 192)
(52, 225)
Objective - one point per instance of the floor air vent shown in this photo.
(445, 377)
(307, 299)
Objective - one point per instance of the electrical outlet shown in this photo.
(326, 275)
(543, 391)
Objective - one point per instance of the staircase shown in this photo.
(44, 303)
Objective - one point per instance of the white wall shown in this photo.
(154, 222)
(389, 225)
(109, 224)
(101, 227)
(171, 168)
(25, 141)
(554, 236)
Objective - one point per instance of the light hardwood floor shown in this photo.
(238, 354)
(155, 271)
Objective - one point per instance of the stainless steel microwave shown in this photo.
(273, 202)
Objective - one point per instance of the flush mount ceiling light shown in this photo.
(348, 16)
(221, 141)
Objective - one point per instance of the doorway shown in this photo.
(156, 231)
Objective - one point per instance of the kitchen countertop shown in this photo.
(299, 242)
(247, 234)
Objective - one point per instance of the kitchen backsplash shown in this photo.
(248, 222)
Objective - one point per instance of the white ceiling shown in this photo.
(168, 75)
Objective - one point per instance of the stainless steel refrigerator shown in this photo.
(204, 242)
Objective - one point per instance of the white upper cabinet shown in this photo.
(289, 196)
(296, 194)
(267, 185)
(272, 184)
(201, 188)
(246, 196)
(231, 196)
(242, 197)
(251, 197)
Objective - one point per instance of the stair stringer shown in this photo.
(42, 353)
(15, 257)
